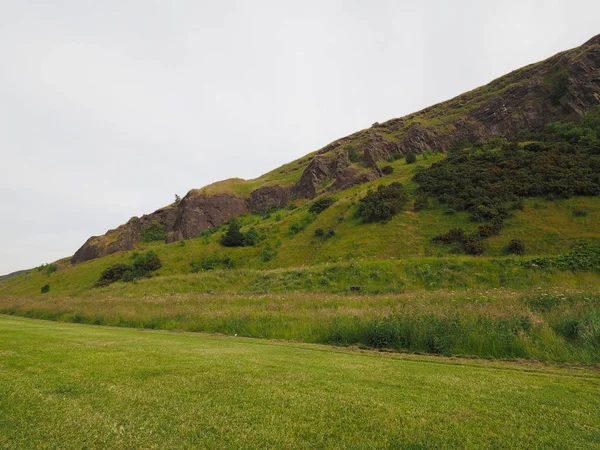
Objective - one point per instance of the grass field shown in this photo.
(547, 325)
(81, 386)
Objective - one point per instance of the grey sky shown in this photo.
(109, 108)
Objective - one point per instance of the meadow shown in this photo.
(80, 386)
(554, 325)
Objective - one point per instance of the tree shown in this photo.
(233, 237)
(411, 158)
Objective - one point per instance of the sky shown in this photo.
(110, 108)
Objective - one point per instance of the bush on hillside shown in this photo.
(142, 266)
(382, 204)
(352, 154)
(233, 237)
(321, 205)
(411, 158)
(212, 262)
(515, 247)
(387, 170)
(45, 289)
(154, 231)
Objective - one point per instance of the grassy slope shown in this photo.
(391, 249)
(74, 386)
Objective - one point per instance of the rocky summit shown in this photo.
(561, 87)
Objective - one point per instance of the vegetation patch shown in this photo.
(321, 205)
(382, 204)
(153, 232)
(142, 266)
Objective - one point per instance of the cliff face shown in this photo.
(561, 87)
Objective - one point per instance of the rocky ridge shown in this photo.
(561, 87)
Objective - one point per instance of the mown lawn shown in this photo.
(82, 386)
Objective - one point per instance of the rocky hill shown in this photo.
(561, 87)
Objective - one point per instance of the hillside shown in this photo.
(473, 204)
(483, 244)
(562, 87)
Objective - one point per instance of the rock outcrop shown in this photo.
(561, 87)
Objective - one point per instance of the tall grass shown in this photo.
(559, 326)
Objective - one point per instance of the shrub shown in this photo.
(268, 253)
(473, 246)
(233, 237)
(50, 268)
(211, 262)
(421, 202)
(250, 238)
(297, 227)
(515, 247)
(153, 232)
(321, 205)
(112, 274)
(488, 229)
(387, 170)
(45, 289)
(142, 266)
(411, 158)
(319, 232)
(181, 243)
(352, 154)
(455, 235)
(330, 233)
(146, 263)
(383, 204)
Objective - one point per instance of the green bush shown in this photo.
(153, 232)
(142, 266)
(352, 154)
(297, 227)
(421, 202)
(515, 247)
(250, 238)
(233, 237)
(319, 232)
(112, 274)
(212, 262)
(473, 246)
(45, 289)
(50, 268)
(387, 170)
(411, 158)
(382, 204)
(321, 205)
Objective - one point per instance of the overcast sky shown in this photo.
(109, 108)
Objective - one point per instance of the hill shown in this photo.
(562, 87)
(482, 243)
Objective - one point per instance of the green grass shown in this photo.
(547, 325)
(78, 386)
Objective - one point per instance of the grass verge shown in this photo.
(560, 325)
